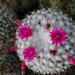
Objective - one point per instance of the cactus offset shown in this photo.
(7, 27)
(9, 65)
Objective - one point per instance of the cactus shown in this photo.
(7, 27)
(46, 41)
(9, 65)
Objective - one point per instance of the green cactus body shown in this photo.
(9, 65)
(7, 27)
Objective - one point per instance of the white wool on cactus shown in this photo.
(46, 41)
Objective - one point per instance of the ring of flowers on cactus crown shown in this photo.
(58, 36)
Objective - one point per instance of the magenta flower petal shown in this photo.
(24, 31)
(58, 36)
(18, 22)
(29, 53)
(23, 66)
(71, 60)
(13, 48)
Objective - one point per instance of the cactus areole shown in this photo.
(46, 41)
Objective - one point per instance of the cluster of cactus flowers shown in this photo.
(46, 40)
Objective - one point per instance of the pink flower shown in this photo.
(71, 60)
(24, 31)
(18, 22)
(23, 66)
(57, 36)
(13, 48)
(29, 53)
